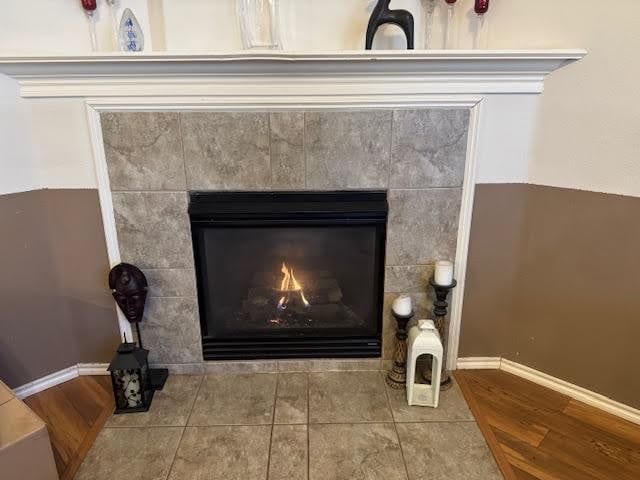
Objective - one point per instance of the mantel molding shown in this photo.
(425, 72)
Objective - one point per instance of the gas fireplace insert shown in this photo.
(289, 274)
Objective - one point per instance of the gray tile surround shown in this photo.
(174, 318)
(412, 153)
(153, 229)
(226, 150)
(422, 225)
(347, 149)
(288, 168)
(429, 148)
(240, 439)
(171, 282)
(407, 278)
(143, 150)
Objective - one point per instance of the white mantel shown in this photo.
(499, 88)
(162, 74)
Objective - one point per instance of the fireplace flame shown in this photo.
(290, 284)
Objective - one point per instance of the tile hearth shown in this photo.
(324, 425)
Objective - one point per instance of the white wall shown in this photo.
(587, 130)
(307, 25)
(18, 171)
(60, 26)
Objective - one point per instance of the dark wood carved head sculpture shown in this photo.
(129, 288)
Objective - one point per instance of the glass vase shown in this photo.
(259, 23)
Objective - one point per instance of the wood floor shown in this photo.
(536, 433)
(75, 412)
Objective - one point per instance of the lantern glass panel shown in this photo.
(129, 386)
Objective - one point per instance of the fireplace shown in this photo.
(282, 275)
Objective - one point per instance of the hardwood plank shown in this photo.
(604, 421)
(519, 428)
(522, 475)
(593, 457)
(86, 396)
(516, 388)
(512, 415)
(74, 412)
(516, 413)
(545, 435)
(66, 426)
(540, 464)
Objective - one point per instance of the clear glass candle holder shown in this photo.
(259, 23)
(450, 34)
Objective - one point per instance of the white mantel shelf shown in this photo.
(165, 74)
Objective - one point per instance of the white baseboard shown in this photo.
(93, 369)
(561, 386)
(59, 377)
(478, 363)
(49, 381)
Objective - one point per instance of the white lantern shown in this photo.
(424, 339)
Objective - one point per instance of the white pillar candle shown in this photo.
(444, 273)
(402, 305)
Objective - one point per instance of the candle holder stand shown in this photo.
(440, 307)
(397, 376)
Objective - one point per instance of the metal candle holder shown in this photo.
(397, 376)
(440, 307)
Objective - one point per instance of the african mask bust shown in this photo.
(129, 288)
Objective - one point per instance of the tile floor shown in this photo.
(307, 426)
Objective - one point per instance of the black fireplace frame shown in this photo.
(255, 209)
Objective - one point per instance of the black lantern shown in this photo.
(130, 379)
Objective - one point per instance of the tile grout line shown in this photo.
(304, 148)
(308, 429)
(269, 132)
(184, 156)
(273, 419)
(184, 428)
(395, 427)
(393, 114)
(216, 425)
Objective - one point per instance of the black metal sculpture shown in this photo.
(129, 289)
(382, 14)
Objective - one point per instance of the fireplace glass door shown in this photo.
(289, 274)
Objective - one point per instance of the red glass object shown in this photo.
(481, 7)
(89, 5)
